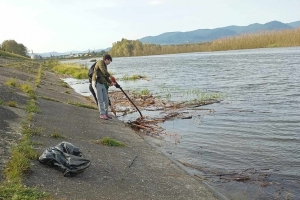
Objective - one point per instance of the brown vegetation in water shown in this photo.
(168, 110)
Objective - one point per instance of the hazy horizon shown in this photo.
(63, 26)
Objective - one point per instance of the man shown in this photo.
(95, 97)
(99, 79)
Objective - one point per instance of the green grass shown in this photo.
(139, 93)
(132, 77)
(110, 142)
(1, 102)
(8, 54)
(37, 131)
(145, 92)
(38, 77)
(22, 153)
(32, 107)
(200, 96)
(17, 167)
(27, 66)
(51, 63)
(56, 135)
(63, 84)
(196, 94)
(11, 82)
(30, 117)
(11, 104)
(81, 105)
(20, 159)
(48, 98)
(27, 88)
(17, 191)
(204, 96)
(74, 70)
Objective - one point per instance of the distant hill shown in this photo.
(206, 35)
(294, 24)
(199, 35)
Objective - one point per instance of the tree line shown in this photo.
(127, 48)
(13, 47)
(266, 39)
(136, 48)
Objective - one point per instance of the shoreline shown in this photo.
(260, 179)
(150, 175)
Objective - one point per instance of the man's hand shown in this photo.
(113, 79)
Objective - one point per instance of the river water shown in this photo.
(252, 137)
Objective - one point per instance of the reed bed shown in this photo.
(267, 39)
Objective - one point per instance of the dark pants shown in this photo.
(94, 95)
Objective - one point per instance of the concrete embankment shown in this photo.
(136, 171)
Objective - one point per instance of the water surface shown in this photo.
(254, 131)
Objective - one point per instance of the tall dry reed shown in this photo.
(284, 38)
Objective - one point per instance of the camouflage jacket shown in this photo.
(101, 74)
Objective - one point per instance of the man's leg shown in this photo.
(101, 92)
(105, 100)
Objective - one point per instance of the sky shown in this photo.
(68, 25)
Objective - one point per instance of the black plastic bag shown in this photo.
(66, 157)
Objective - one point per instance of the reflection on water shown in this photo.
(255, 131)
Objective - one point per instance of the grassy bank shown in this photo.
(26, 82)
(22, 153)
(6, 54)
(71, 69)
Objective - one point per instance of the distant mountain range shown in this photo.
(54, 53)
(206, 35)
(199, 35)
